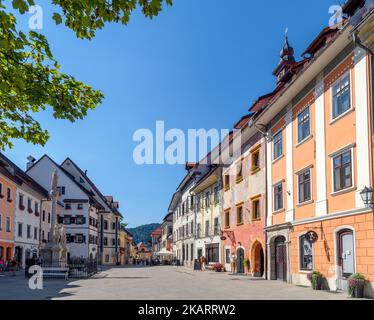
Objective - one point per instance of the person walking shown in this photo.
(203, 263)
(233, 262)
(13, 265)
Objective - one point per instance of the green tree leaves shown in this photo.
(30, 77)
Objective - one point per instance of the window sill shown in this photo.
(304, 140)
(337, 193)
(256, 220)
(277, 159)
(279, 211)
(227, 189)
(239, 180)
(240, 224)
(332, 121)
(227, 227)
(255, 171)
(304, 203)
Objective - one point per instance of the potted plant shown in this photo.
(356, 285)
(315, 279)
(247, 265)
(218, 267)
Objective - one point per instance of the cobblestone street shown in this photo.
(161, 283)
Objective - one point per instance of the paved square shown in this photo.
(161, 283)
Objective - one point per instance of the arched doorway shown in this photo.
(9, 253)
(258, 260)
(240, 260)
(278, 259)
(1, 252)
(346, 256)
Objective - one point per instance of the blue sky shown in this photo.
(199, 64)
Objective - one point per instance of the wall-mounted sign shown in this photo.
(223, 238)
(312, 236)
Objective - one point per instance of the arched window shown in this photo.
(306, 253)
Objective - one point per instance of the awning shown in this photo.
(163, 253)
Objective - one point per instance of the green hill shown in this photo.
(143, 233)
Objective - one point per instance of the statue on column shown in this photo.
(56, 251)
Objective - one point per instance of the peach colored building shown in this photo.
(320, 157)
(7, 212)
(244, 203)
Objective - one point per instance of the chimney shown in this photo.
(31, 161)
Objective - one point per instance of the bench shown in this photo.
(56, 272)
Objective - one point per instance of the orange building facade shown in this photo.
(319, 159)
(7, 212)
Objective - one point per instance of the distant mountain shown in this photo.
(143, 233)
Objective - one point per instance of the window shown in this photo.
(215, 197)
(212, 253)
(227, 182)
(105, 241)
(1, 189)
(277, 145)
(35, 233)
(239, 172)
(256, 214)
(29, 205)
(67, 219)
(227, 219)
(20, 230)
(49, 217)
(107, 258)
(207, 200)
(20, 200)
(341, 96)
(227, 255)
(306, 254)
(255, 162)
(199, 230)
(68, 206)
(1, 223)
(304, 186)
(79, 238)
(192, 227)
(105, 224)
(43, 234)
(303, 125)
(7, 226)
(28, 231)
(80, 220)
(113, 242)
(61, 190)
(9, 195)
(113, 226)
(342, 171)
(81, 180)
(80, 206)
(216, 227)
(239, 215)
(278, 197)
(43, 215)
(207, 228)
(36, 206)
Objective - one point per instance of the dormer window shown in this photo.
(68, 206)
(80, 206)
(81, 180)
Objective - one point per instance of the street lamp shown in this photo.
(367, 197)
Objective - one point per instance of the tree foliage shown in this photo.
(30, 77)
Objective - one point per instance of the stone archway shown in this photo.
(258, 259)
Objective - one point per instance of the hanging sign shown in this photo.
(312, 236)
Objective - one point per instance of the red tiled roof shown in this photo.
(156, 232)
(243, 121)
